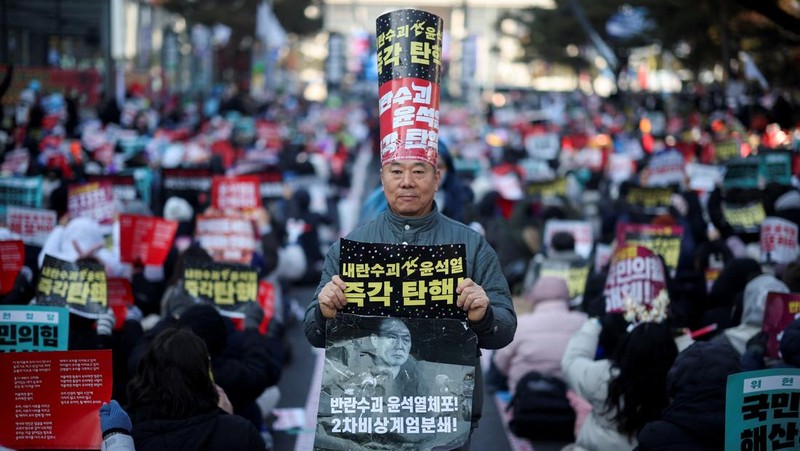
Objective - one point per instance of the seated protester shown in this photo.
(728, 287)
(694, 420)
(752, 316)
(542, 335)
(174, 403)
(562, 250)
(244, 363)
(625, 391)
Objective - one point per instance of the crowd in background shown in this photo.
(647, 386)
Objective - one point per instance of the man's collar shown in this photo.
(420, 222)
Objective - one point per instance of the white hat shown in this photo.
(178, 209)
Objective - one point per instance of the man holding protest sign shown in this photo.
(410, 178)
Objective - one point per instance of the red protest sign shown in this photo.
(235, 193)
(120, 297)
(52, 399)
(92, 200)
(12, 256)
(636, 274)
(780, 310)
(32, 224)
(146, 239)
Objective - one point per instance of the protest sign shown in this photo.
(741, 173)
(573, 273)
(666, 168)
(228, 287)
(780, 310)
(235, 193)
(703, 177)
(726, 150)
(52, 399)
(193, 185)
(778, 241)
(129, 185)
(761, 410)
(635, 275)
(33, 225)
(391, 383)
(33, 328)
(270, 184)
(120, 297)
(744, 218)
(620, 167)
(651, 201)
(145, 239)
(92, 200)
(80, 286)
(20, 191)
(12, 256)
(402, 280)
(548, 189)
(409, 56)
(542, 146)
(16, 162)
(581, 231)
(776, 167)
(226, 238)
(663, 240)
(590, 158)
(536, 170)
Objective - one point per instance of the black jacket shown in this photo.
(212, 431)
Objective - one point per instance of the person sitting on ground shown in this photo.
(174, 403)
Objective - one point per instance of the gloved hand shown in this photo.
(113, 418)
(253, 315)
(105, 322)
(134, 313)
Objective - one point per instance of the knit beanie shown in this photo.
(549, 288)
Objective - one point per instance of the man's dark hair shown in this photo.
(562, 241)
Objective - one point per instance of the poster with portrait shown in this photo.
(396, 383)
(581, 231)
(778, 241)
(80, 286)
(402, 280)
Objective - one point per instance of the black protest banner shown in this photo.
(402, 280)
(229, 287)
(80, 286)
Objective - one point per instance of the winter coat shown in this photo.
(540, 341)
(754, 302)
(497, 327)
(695, 418)
(589, 378)
(212, 431)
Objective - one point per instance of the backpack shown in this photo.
(540, 409)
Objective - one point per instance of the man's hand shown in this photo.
(473, 299)
(331, 298)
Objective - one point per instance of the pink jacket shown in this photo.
(539, 342)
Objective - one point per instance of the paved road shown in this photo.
(300, 384)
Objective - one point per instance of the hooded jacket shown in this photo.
(754, 302)
(212, 431)
(695, 418)
(497, 327)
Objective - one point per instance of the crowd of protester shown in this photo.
(656, 385)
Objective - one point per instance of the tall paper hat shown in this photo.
(409, 69)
